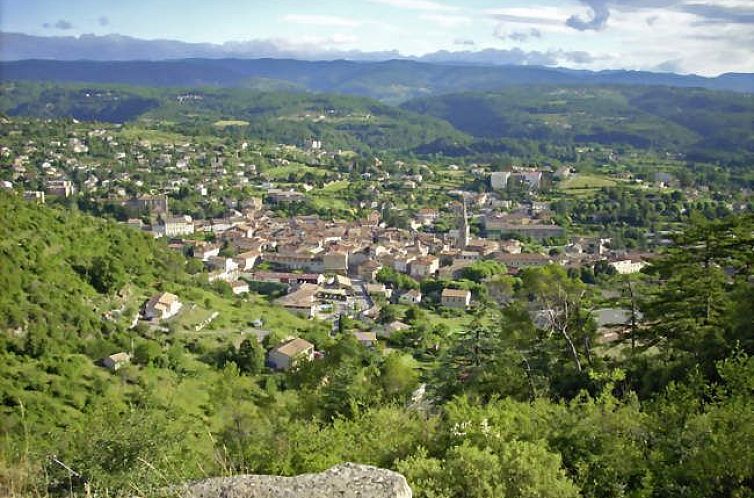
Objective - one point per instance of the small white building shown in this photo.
(290, 353)
(456, 298)
(162, 306)
(239, 287)
(499, 180)
(628, 266)
(175, 226)
(116, 361)
(414, 296)
(367, 339)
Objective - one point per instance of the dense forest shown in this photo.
(509, 409)
(355, 123)
(700, 125)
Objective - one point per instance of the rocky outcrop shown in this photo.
(342, 481)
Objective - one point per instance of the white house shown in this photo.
(414, 296)
(115, 361)
(456, 298)
(162, 306)
(499, 180)
(628, 266)
(290, 353)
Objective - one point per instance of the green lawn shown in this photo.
(282, 172)
(230, 122)
(155, 136)
(582, 185)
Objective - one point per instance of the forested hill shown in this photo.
(343, 121)
(392, 81)
(60, 272)
(702, 124)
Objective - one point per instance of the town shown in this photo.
(329, 235)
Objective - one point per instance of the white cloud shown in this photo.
(428, 5)
(446, 20)
(321, 20)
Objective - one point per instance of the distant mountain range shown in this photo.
(383, 75)
(392, 81)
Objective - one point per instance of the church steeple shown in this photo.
(464, 233)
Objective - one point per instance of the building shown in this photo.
(287, 278)
(367, 339)
(424, 267)
(34, 196)
(302, 301)
(154, 204)
(277, 196)
(464, 231)
(239, 287)
(289, 354)
(162, 306)
(379, 290)
(206, 251)
(247, 260)
(335, 262)
(61, 188)
(628, 266)
(499, 180)
(523, 260)
(368, 270)
(426, 216)
(175, 226)
(502, 228)
(393, 327)
(532, 179)
(116, 361)
(456, 298)
(414, 296)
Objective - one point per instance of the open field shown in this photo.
(581, 185)
(230, 122)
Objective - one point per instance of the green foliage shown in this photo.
(700, 123)
(706, 285)
(250, 357)
(482, 270)
(389, 276)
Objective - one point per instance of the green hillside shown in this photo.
(280, 117)
(699, 123)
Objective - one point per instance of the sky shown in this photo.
(705, 37)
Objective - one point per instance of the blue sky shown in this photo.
(699, 36)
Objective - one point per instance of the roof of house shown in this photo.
(303, 297)
(365, 336)
(463, 293)
(343, 281)
(165, 298)
(119, 357)
(294, 347)
(397, 325)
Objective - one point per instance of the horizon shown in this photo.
(702, 37)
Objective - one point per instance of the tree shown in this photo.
(559, 302)
(147, 352)
(481, 363)
(704, 285)
(250, 357)
(399, 375)
(107, 274)
(482, 270)
(388, 313)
